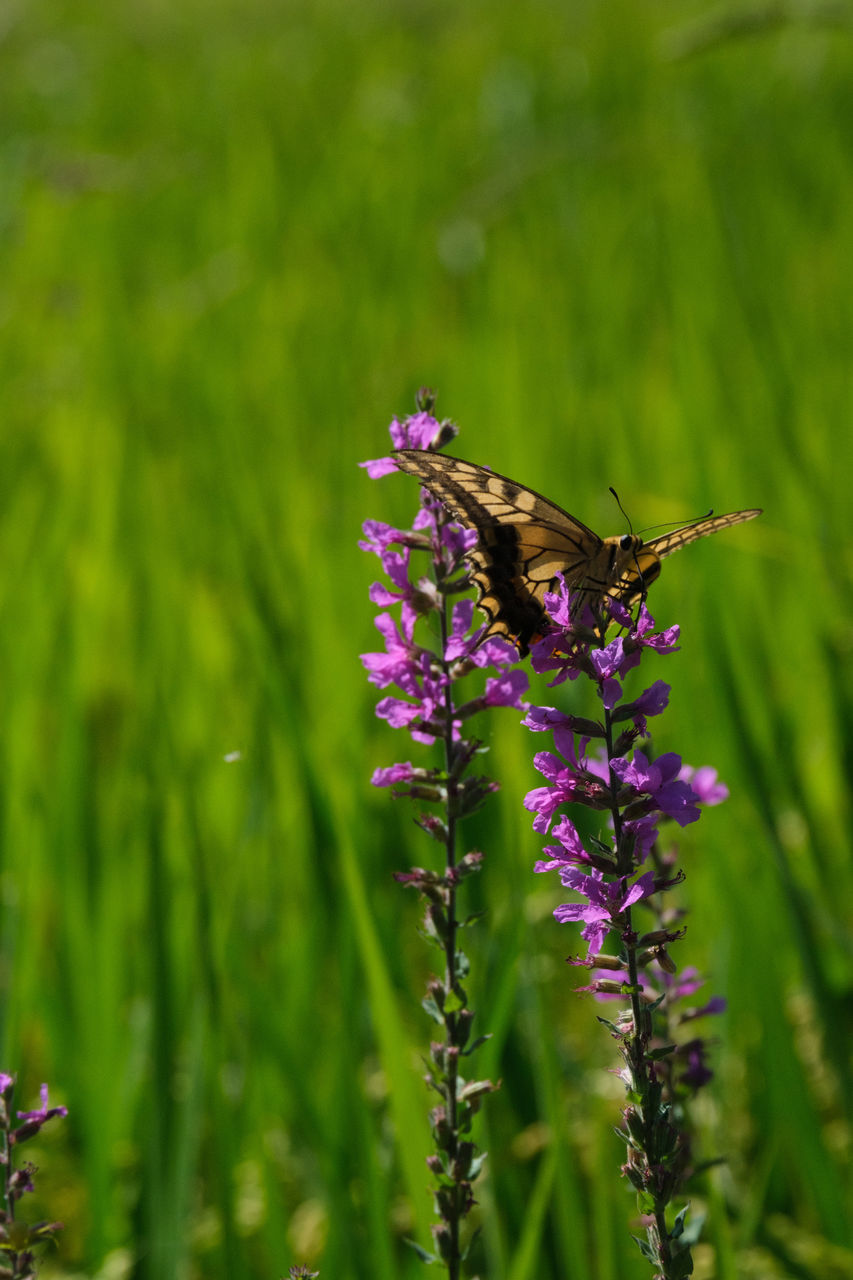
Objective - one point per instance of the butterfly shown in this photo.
(525, 540)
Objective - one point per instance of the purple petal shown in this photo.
(393, 773)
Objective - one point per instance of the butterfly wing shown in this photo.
(664, 545)
(525, 540)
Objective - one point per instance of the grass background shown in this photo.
(235, 239)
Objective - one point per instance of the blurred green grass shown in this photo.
(235, 239)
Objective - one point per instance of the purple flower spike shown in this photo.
(431, 648)
(639, 793)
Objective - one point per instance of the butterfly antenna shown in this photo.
(621, 508)
(663, 524)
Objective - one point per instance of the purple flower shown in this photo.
(608, 661)
(457, 540)
(651, 702)
(686, 983)
(494, 652)
(417, 432)
(459, 643)
(644, 832)
(569, 852)
(664, 642)
(569, 779)
(33, 1120)
(558, 604)
(393, 773)
(418, 717)
(379, 535)
(396, 565)
(705, 784)
(659, 780)
(399, 663)
(43, 1113)
(506, 689)
(606, 900)
(541, 719)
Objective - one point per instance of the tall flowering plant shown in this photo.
(606, 763)
(428, 650)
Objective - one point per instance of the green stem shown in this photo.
(641, 1069)
(454, 1259)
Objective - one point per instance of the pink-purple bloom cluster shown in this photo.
(598, 763)
(420, 675)
(607, 764)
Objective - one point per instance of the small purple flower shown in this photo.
(44, 1112)
(664, 642)
(494, 652)
(396, 565)
(506, 690)
(606, 900)
(651, 702)
(644, 832)
(379, 536)
(608, 661)
(558, 604)
(392, 774)
(544, 719)
(398, 664)
(459, 643)
(457, 540)
(417, 432)
(33, 1120)
(418, 717)
(659, 780)
(567, 782)
(705, 784)
(569, 852)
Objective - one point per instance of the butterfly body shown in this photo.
(525, 540)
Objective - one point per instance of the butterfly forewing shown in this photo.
(525, 540)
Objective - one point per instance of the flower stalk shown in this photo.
(427, 673)
(624, 872)
(20, 1240)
